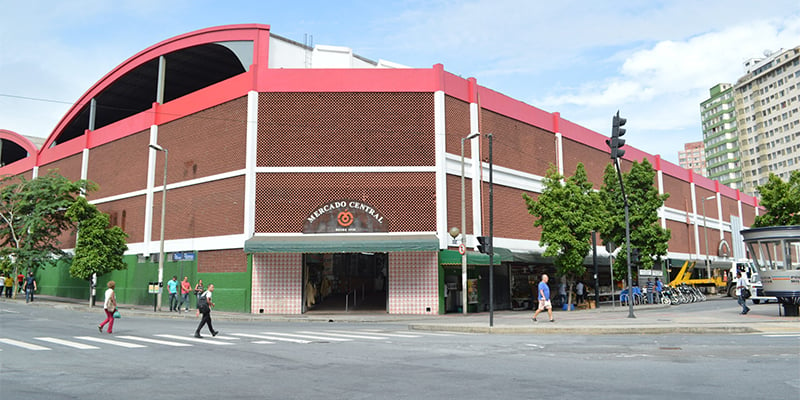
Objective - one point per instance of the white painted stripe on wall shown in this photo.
(441, 171)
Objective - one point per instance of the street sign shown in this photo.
(462, 249)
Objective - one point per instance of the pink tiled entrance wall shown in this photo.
(277, 283)
(413, 282)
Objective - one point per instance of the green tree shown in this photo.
(566, 210)
(32, 217)
(646, 232)
(100, 247)
(782, 201)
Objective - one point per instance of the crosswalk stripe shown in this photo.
(347, 335)
(155, 341)
(226, 337)
(272, 338)
(375, 332)
(63, 342)
(263, 342)
(109, 341)
(309, 336)
(29, 346)
(194, 339)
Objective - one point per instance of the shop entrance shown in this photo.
(339, 282)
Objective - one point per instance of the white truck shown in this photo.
(754, 281)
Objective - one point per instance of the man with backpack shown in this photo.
(203, 305)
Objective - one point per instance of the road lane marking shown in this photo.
(29, 346)
(284, 339)
(349, 335)
(111, 342)
(63, 342)
(155, 341)
(263, 342)
(333, 339)
(376, 332)
(194, 339)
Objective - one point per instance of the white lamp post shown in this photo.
(464, 227)
(163, 212)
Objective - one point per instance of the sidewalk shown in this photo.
(721, 315)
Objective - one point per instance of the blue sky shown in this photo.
(652, 60)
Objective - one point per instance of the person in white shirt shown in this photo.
(109, 306)
(204, 306)
(741, 283)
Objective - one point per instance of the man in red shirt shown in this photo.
(186, 288)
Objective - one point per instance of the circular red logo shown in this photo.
(345, 218)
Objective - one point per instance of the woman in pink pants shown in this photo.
(109, 306)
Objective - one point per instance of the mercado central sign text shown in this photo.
(344, 216)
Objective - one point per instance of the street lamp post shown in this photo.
(464, 227)
(705, 233)
(163, 213)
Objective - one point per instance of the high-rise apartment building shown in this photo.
(720, 138)
(768, 118)
(693, 157)
(752, 128)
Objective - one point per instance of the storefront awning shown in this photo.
(342, 243)
(452, 257)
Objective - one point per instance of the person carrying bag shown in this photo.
(110, 307)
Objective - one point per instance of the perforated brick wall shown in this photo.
(345, 129)
(516, 144)
(406, 200)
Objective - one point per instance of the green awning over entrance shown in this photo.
(452, 257)
(341, 243)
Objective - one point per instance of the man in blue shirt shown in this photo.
(544, 299)
(172, 289)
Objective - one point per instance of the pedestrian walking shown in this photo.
(544, 299)
(204, 307)
(30, 287)
(198, 291)
(9, 285)
(741, 285)
(172, 289)
(186, 288)
(109, 306)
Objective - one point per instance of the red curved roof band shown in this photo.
(258, 33)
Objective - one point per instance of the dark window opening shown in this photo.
(187, 70)
(11, 152)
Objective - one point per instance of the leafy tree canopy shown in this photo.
(782, 201)
(99, 248)
(566, 210)
(644, 201)
(32, 217)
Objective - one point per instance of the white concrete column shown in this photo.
(441, 172)
(251, 153)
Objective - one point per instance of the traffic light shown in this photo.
(617, 130)
(635, 256)
(483, 245)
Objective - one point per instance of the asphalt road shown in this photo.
(315, 360)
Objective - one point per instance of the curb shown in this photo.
(587, 330)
